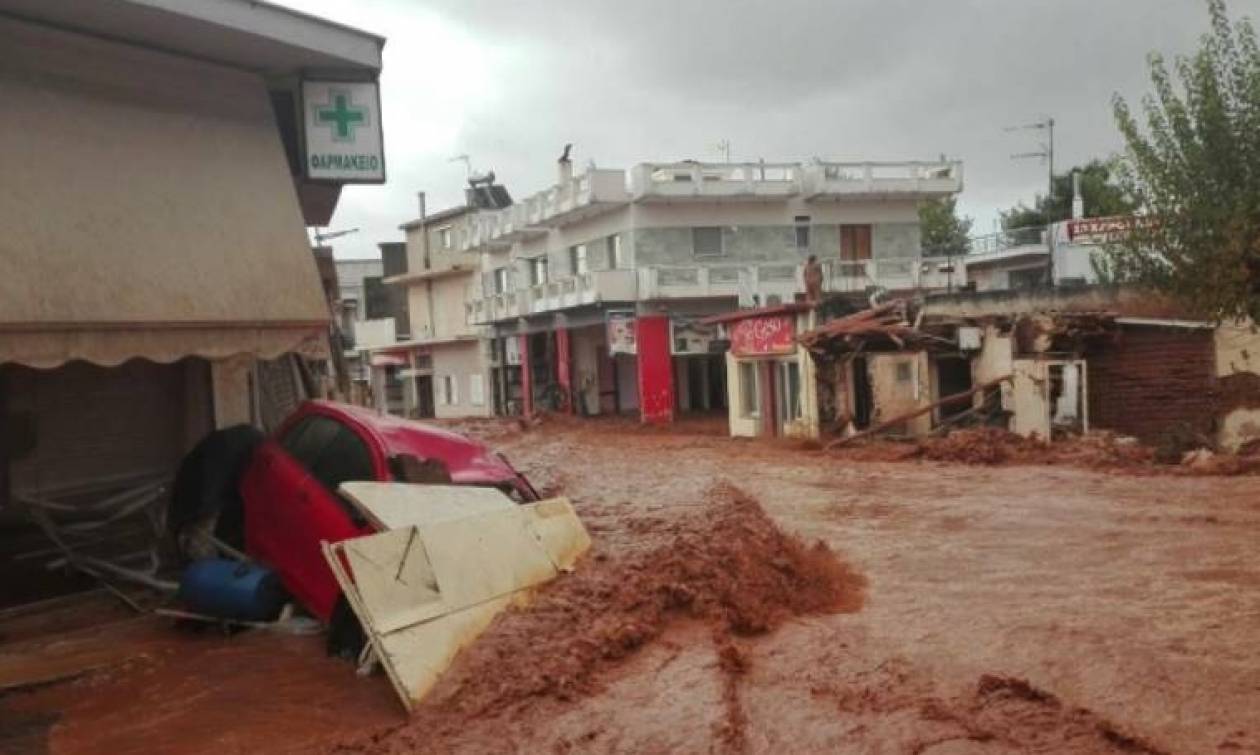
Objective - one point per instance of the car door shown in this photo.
(296, 506)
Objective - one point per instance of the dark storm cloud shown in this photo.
(642, 80)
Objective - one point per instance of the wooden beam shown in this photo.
(917, 412)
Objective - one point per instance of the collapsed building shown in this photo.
(1041, 364)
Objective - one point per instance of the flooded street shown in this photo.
(1005, 609)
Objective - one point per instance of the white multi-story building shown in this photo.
(585, 297)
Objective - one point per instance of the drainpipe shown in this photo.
(428, 284)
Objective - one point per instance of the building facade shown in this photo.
(588, 297)
(156, 279)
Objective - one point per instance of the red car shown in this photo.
(289, 488)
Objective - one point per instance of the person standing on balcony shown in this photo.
(813, 276)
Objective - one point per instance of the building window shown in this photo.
(450, 390)
(577, 260)
(538, 271)
(446, 237)
(802, 232)
(748, 394)
(476, 390)
(855, 242)
(615, 260)
(706, 242)
(500, 280)
(904, 373)
(790, 391)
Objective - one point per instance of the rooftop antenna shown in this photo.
(1046, 153)
(321, 237)
(724, 147)
(466, 160)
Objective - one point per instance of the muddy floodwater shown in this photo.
(974, 609)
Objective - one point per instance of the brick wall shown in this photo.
(1151, 379)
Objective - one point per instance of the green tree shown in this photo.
(1196, 173)
(1101, 193)
(944, 231)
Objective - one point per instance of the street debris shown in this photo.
(439, 571)
(725, 565)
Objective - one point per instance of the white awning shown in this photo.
(146, 209)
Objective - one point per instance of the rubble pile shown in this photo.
(978, 445)
(727, 565)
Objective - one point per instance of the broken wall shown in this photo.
(901, 383)
(1151, 379)
(1238, 371)
(994, 360)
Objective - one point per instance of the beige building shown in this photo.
(447, 360)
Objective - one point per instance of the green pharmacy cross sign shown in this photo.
(342, 115)
(341, 132)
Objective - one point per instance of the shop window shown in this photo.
(790, 391)
(749, 405)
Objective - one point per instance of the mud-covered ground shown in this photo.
(1007, 608)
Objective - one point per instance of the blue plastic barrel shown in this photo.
(232, 590)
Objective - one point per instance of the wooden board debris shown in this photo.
(425, 590)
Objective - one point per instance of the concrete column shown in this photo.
(564, 369)
(527, 378)
(656, 374)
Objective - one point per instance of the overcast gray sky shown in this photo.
(509, 82)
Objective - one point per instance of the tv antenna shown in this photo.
(466, 160)
(1046, 153)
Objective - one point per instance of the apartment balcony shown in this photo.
(835, 181)
(714, 182)
(583, 196)
(565, 293)
(909, 274)
(704, 281)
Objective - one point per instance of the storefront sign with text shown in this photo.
(758, 336)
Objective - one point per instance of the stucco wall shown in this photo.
(892, 396)
(461, 361)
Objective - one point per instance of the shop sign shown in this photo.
(342, 131)
(688, 336)
(620, 326)
(764, 336)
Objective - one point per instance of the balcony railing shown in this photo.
(714, 181)
(702, 281)
(822, 179)
(564, 293)
(843, 276)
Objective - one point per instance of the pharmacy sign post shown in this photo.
(342, 132)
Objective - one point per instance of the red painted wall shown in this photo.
(527, 378)
(564, 369)
(656, 374)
